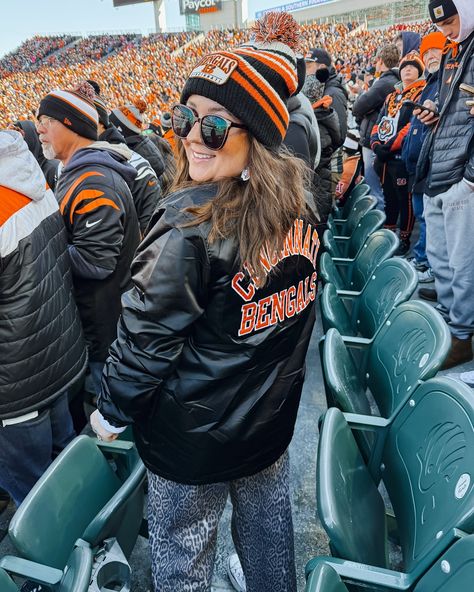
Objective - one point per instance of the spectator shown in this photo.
(387, 140)
(42, 350)
(447, 162)
(407, 42)
(366, 110)
(431, 50)
(211, 387)
(101, 222)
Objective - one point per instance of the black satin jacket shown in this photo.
(208, 368)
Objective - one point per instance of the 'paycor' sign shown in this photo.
(199, 6)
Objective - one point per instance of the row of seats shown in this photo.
(77, 527)
(394, 457)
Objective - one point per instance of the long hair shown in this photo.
(259, 212)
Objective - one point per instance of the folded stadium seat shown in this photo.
(351, 275)
(427, 466)
(452, 572)
(76, 577)
(390, 284)
(341, 214)
(92, 492)
(349, 246)
(345, 229)
(408, 349)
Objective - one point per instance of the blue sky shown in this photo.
(22, 19)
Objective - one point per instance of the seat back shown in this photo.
(453, 572)
(329, 272)
(358, 211)
(372, 221)
(329, 244)
(410, 347)
(333, 312)
(429, 468)
(78, 572)
(378, 247)
(390, 284)
(61, 505)
(6, 583)
(324, 579)
(350, 506)
(359, 191)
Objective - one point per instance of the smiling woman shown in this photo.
(209, 361)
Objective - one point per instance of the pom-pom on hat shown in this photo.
(130, 116)
(433, 40)
(73, 108)
(412, 59)
(255, 81)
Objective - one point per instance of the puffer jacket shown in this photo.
(447, 155)
(49, 167)
(42, 350)
(337, 90)
(102, 227)
(145, 147)
(302, 137)
(208, 367)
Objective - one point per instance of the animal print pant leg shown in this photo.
(182, 522)
(262, 528)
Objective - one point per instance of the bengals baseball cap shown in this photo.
(440, 10)
(318, 55)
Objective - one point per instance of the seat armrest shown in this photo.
(31, 570)
(356, 342)
(342, 261)
(348, 294)
(116, 446)
(366, 422)
(341, 238)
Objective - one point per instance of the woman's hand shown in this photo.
(99, 430)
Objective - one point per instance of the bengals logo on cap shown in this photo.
(438, 12)
(216, 68)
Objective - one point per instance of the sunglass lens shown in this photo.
(182, 121)
(214, 131)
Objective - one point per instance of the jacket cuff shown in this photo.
(109, 427)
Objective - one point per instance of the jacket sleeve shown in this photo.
(374, 134)
(97, 225)
(296, 141)
(371, 100)
(147, 194)
(340, 106)
(170, 276)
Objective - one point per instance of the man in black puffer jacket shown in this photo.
(42, 350)
(366, 110)
(447, 162)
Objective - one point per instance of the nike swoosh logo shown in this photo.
(89, 224)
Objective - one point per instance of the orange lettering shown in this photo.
(263, 317)
(248, 294)
(247, 323)
(290, 304)
(278, 307)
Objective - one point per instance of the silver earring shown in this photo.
(245, 175)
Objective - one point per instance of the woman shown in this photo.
(209, 361)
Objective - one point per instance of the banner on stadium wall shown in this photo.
(199, 6)
(300, 5)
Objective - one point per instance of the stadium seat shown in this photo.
(349, 247)
(341, 214)
(409, 348)
(390, 284)
(93, 492)
(6, 583)
(427, 468)
(452, 572)
(344, 229)
(353, 274)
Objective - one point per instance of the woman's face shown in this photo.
(211, 165)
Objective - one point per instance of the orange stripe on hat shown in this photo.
(274, 62)
(77, 182)
(260, 100)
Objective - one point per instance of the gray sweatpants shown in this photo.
(183, 520)
(449, 231)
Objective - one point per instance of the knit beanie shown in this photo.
(102, 111)
(440, 10)
(166, 121)
(130, 116)
(255, 81)
(73, 108)
(412, 59)
(434, 40)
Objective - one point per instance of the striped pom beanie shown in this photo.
(129, 118)
(73, 108)
(255, 81)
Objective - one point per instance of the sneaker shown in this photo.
(426, 276)
(30, 586)
(403, 248)
(236, 573)
(428, 294)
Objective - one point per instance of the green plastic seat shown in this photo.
(349, 246)
(360, 190)
(390, 284)
(427, 466)
(452, 572)
(75, 578)
(353, 274)
(82, 496)
(409, 348)
(347, 227)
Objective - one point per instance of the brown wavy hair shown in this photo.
(259, 212)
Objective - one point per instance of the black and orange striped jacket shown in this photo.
(42, 350)
(102, 227)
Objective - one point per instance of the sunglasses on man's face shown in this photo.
(214, 128)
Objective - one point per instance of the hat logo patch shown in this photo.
(438, 12)
(215, 68)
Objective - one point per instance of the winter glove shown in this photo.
(382, 152)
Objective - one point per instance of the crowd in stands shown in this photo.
(31, 54)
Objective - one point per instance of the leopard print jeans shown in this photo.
(183, 520)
